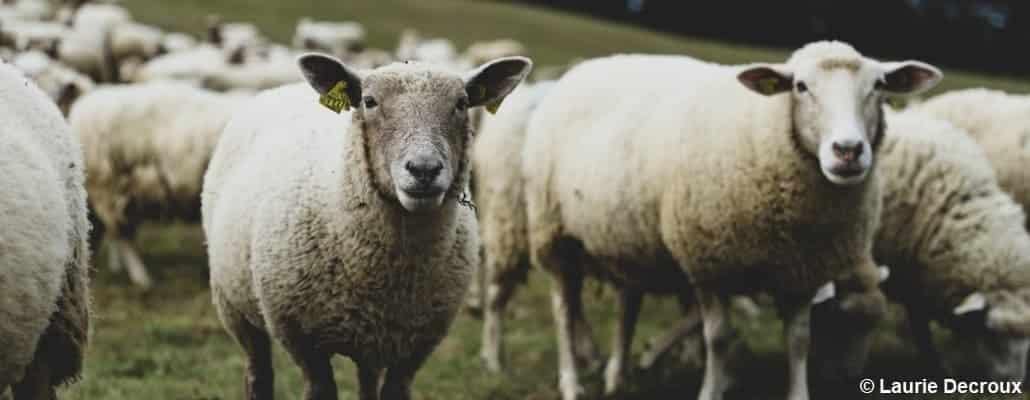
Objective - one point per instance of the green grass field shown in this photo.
(168, 344)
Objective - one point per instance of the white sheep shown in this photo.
(479, 52)
(240, 41)
(497, 177)
(25, 10)
(1000, 123)
(439, 51)
(646, 167)
(958, 251)
(276, 69)
(32, 35)
(338, 38)
(353, 241)
(174, 42)
(44, 300)
(192, 65)
(98, 17)
(62, 84)
(146, 149)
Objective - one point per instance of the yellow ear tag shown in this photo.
(768, 85)
(336, 98)
(492, 107)
(897, 103)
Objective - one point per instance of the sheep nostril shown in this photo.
(424, 171)
(848, 151)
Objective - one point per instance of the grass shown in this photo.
(168, 344)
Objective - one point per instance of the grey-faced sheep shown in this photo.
(44, 302)
(353, 241)
(958, 252)
(146, 149)
(667, 174)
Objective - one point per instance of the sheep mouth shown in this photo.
(849, 170)
(420, 199)
(423, 192)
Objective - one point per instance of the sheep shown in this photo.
(238, 40)
(32, 35)
(145, 159)
(496, 168)
(25, 10)
(277, 69)
(89, 52)
(192, 65)
(174, 42)
(414, 48)
(663, 174)
(372, 58)
(958, 251)
(1000, 123)
(133, 39)
(356, 243)
(98, 17)
(44, 295)
(62, 84)
(479, 52)
(337, 38)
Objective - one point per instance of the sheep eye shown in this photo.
(801, 87)
(369, 102)
(463, 104)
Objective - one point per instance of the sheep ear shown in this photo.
(972, 303)
(767, 79)
(908, 77)
(325, 73)
(489, 84)
(67, 95)
(826, 292)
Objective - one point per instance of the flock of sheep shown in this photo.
(350, 202)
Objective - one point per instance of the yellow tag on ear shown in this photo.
(492, 107)
(336, 98)
(897, 103)
(768, 85)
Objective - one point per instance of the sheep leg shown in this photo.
(397, 385)
(796, 314)
(568, 377)
(259, 381)
(35, 385)
(474, 298)
(114, 255)
(133, 263)
(319, 383)
(497, 296)
(369, 379)
(629, 309)
(718, 337)
(921, 334)
(664, 343)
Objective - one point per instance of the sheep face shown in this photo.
(837, 97)
(415, 120)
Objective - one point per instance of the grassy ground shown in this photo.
(168, 344)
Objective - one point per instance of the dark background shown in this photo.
(984, 35)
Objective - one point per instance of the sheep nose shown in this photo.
(424, 169)
(848, 150)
